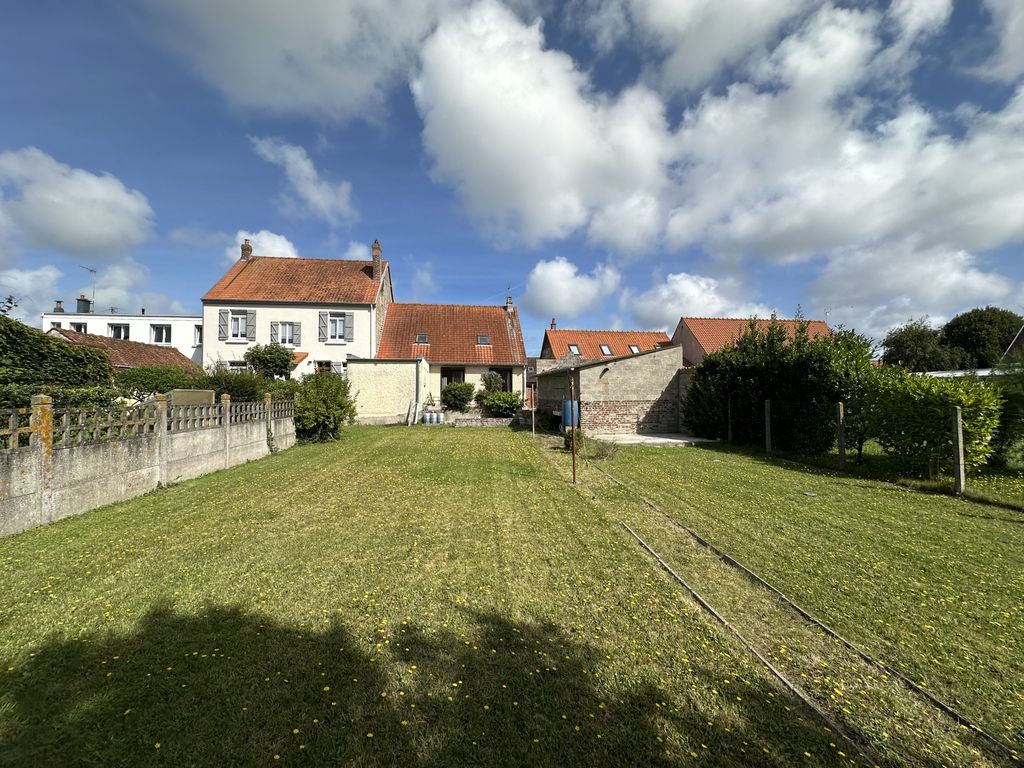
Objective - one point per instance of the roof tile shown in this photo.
(452, 331)
(311, 281)
(129, 354)
(713, 333)
(589, 342)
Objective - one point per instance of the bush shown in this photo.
(241, 386)
(501, 404)
(323, 404)
(140, 384)
(491, 382)
(1008, 446)
(910, 417)
(567, 438)
(458, 395)
(20, 396)
(271, 361)
(29, 356)
(283, 389)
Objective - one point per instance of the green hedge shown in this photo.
(458, 395)
(911, 418)
(29, 356)
(501, 404)
(323, 405)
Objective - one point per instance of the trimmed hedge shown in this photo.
(501, 404)
(29, 356)
(458, 395)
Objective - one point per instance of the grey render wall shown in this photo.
(43, 483)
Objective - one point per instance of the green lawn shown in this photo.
(931, 584)
(436, 597)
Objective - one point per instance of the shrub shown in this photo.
(1008, 446)
(271, 361)
(911, 418)
(283, 389)
(29, 356)
(140, 384)
(567, 438)
(241, 386)
(501, 404)
(458, 395)
(491, 382)
(20, 395)
(323, 405)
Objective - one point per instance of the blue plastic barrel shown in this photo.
(570, 414)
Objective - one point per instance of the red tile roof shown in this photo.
(589, 342)
(452, 331)
(312, 281)
(713, 333)
(129, 354)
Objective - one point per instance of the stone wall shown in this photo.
(67, 469)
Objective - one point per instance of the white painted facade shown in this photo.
(186, 331)
(305, 324)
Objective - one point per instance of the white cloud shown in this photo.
(333, 59)
(307, 194)
(264, 243)
(123, 285)
(34, 289)
(874, 289)
(557, 288)
(516, 129)
(47, 204)
(683, 294)
(1007, 63)
(915, 18)
(423, 282)
(356, 250)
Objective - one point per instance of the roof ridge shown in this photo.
(431, 304)
(752, 317)
(599, 330)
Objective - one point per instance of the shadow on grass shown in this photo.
(228, 688)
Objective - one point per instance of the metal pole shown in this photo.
(959, 473)
(768, 426)
(573, 420)
(841, 433)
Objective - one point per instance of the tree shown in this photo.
(982, 334)
(271, 361)
(917, 346)
(323, 404)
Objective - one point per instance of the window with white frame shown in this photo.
(80, 327)
(239, 328)
(286, 334)
(55, 325)
(198, 338)
(483, 340)
(118, 331)
(161, 334)
(336, 326)
(605, 349)
(573, 349)
(634, 349)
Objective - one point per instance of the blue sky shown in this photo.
(618, 163)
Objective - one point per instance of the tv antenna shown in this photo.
(92, 272)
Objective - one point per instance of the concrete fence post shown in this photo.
(225, 416)
(160, 430)
(270, 422)
(841, 433)
(40, 441)
(768, 426)
(959, 471)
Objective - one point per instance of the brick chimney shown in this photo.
(246, 250)
(508, 304)
(378, 267)
(553, 327)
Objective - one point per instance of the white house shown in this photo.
(326, 310)
(181, 332)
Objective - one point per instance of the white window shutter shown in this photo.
(222, 325)
(348, 326)
(250, 325)
(323, 326)
(298, 333)
(273, 333)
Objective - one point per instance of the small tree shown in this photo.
(917, 346)
(323, 405)
(982, 335)
(271, 361)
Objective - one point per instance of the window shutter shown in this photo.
(222, 325)
(323, 326)
(250, 325)
(298, 333)
(348, 325)
(273, 333)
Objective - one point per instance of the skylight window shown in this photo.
(605, 349)
(422, 338)
(573, 349)
(634, 349)
(483, 340)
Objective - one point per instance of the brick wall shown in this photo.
(629, 416)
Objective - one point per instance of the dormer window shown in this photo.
(605, 349)
(483, 340)
(634, 349)
(573, 349)
(422, 338)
